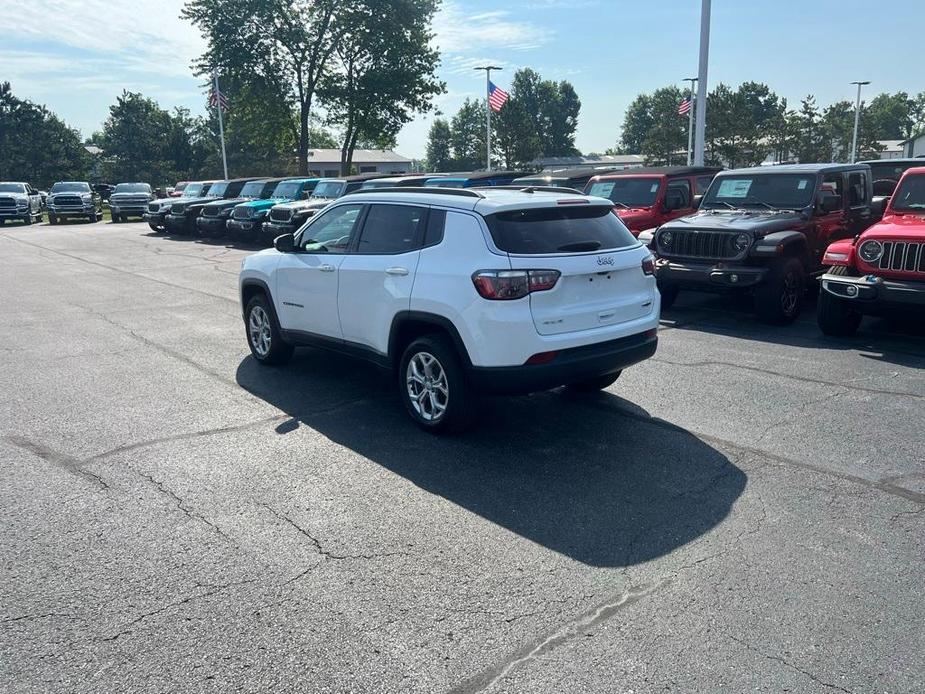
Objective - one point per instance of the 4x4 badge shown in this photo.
(605, 260)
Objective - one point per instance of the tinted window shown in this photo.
(786, 191)
(132, 188)
(287, 190)
(857, 188)
(910, 195)
(71, 188)
(390, 229)
(703, 183)
(567, 229)
(330, 233)
(680, 189)
(436, 220)
(630, 192)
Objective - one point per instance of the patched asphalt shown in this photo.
(742, 513)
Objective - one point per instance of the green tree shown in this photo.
(385, 70)
(809, 143)
(134, 139)
(468, 136)
(890, 116)
(513, 136)
(637, 122)
(35, 145)
(439, 157)
(552, 110)
(743, 124)
(286, 45)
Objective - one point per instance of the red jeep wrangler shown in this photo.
(644, 198)
(881, 269)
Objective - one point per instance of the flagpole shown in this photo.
(487, 69)
(221, 125)
(690, 121)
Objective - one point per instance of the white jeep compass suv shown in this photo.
(461, 292)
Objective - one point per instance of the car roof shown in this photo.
(356, 177)
(482, 200)
(661, 171)
(578, 172)
(904, 160)
(795, 168)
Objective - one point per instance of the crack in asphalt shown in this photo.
(181, 504)
(540, 647)
(45, 615)
(796, 413)
(784, 661)
(56, 458)
(213, 590)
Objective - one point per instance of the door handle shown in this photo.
(326, 268)
(401, 271)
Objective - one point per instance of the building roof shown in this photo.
(914, 137)
(360, 156)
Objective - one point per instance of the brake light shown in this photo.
(648, 265)
(504, 285)
(541, 358)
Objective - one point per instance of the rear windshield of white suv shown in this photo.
(566, 229)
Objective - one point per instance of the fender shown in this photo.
(255, 282)
(404, 317)
(779, 243)
(840, 253)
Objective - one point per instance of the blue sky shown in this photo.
(609, 49)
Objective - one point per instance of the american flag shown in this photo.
(216, 98)
(496, 97)
(685, 106)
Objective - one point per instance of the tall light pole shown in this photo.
(690, 119)
(857, 117)
(701, 104)
(488, 69)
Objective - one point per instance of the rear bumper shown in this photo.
(211, 226)
(708, 274)
(569, 366)
(874, 292)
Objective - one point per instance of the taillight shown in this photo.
(648, 265)
(502, 285)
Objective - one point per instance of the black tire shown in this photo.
(115, 218)
(52, 219)
(591, 385)
(27, 220)
(457, 397)
(263, 334)
(669, 294)
(779, 299)
(156, 229)
(837, 317)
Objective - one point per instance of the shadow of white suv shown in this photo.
(461, 292)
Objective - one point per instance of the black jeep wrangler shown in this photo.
(764, 230)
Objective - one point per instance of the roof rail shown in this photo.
(536, 189)
(431, 190)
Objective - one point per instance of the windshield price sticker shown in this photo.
(802, 184)
(654, 188)
(734, 188)
(602, 189)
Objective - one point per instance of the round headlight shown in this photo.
(664, 239)
(741, 242)
(870, 251)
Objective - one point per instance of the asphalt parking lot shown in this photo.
(742, 513)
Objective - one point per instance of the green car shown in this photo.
(247, 218)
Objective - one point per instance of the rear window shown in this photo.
(567, 229)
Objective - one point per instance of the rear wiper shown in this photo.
(579, 246)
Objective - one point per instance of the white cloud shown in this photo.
(460, 32)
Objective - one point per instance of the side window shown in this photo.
(436, 220)
(857, 189)
(834, 184)
(682, 189)
(391, 229)
(703, 182)
(330, 233)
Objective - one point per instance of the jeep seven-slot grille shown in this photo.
(242, 212)
(903, 256)
(210, 211)
(154, 207)
(280, 215)
(689, 243)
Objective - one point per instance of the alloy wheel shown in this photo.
(260, 331)
(790, 295)
(427, 385)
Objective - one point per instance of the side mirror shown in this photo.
(697, 200)
(284, 243)
(673, 202)
(305, 195)
(830, 202)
